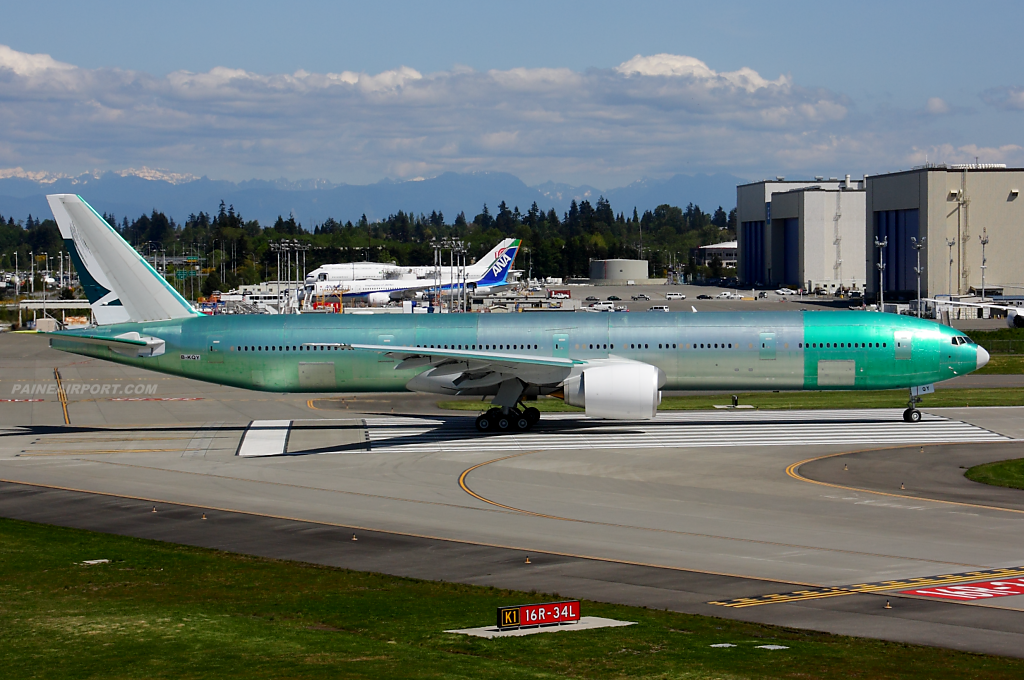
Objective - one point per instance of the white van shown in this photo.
(675, 296)
(658, 308)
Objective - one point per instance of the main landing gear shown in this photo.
(516, 419)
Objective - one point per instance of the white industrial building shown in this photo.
(972, 220)
(804, 234)
(725, 252)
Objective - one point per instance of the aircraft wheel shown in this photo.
(533, 414)
(523, 423)
(484, 423)
(504, 423)
(912, 415)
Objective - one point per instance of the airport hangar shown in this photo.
(799, 519)
(822, 234)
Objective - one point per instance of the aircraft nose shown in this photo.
(982, 356)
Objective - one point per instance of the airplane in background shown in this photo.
(612, 365)
(329, 276)
(490, 277)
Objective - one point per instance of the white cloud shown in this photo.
(936, 106)
(651, 115)
(1007, 98)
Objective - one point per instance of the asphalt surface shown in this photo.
(653, 522)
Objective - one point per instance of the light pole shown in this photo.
(917, 246)
(984, 263)
(950, 242)
(881, 271)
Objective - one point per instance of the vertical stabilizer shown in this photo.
(120, 285)
(481, 266)
(499, 270)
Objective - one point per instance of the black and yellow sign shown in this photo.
(877, 587)
(508, 617)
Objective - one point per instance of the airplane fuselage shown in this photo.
(845, 350)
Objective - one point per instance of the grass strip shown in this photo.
(995, 396)
(1003, 364)
(1008, 473)
(158, 610)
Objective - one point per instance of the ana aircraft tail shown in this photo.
(120, 285)
(499, 270)
(480, 267)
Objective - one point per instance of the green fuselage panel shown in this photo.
(703, 351)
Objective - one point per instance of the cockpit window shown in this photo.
(960, 340)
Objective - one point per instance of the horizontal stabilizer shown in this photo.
(129, 344)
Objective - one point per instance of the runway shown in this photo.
(686, 510)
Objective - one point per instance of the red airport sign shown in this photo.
(546, 614)
(972, 591)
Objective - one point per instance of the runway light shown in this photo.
(154, 508)
(354, 537)
(204, 515)
(527, 560)
(902, 488)
(846, 467)
(887, 605)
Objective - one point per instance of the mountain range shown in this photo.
(131, 193)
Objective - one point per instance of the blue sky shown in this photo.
(545, 90)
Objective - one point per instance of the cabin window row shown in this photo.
(840, 345)
(483, 347)
(284, 348)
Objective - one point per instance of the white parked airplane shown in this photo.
(326, 277)
(488, 275)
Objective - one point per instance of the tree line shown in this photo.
(553, 245)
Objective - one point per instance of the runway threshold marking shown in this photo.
(62, 395)
(869, 588)
(793, 472)
(465, 487)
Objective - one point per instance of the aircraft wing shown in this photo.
(454, 370)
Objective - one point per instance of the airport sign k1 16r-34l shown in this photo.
(546, 614)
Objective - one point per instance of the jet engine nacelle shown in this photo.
(621, 391)
(1014, 318)
(378, 298)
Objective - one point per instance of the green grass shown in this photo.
(165, 611)
(999, 396)
(1008, 473)
(1003, 364)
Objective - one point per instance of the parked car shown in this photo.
(614, 298)
(592, 298)
(703, 297)
(724, 296)
(658, 308)
(675, 296)
(642, 296)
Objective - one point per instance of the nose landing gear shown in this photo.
(912, 415)
(516, 419)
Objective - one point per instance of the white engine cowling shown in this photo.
(378, 298)
(1014, 318)
(621, 391)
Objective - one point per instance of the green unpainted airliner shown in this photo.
(613, 365)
